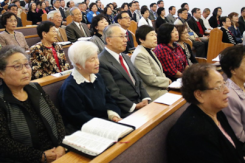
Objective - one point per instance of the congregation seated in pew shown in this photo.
(228, 37)
(47, 57)
(83, 94)
(119, 74)
(98, 24)
(161, 19)
(56, 18)
(234, 27)
(10, 36)
(14, 9)
(169, 53)
(214, 20)
(147, 65)
(144, 20)
(30, 132)
(76, 29)
(42, 11)
(93, 11)
(32, 15)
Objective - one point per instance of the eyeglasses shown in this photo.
(126, 18)
(11, 21)
(122, 37)
(58, 17)
(218, 88)
(19, 67)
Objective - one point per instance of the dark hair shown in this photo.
(152, 4)
(136, 1)
(164, 33)
(68, 4)
(183, 5)
(95, 22)
(181, 10)
(91, 5)
(231, 16)
(158, 2)
(6, 16)
(119, 16)
(143, 10)
(6, 52)
(12, 5)
(123, 5)
(97, 1)
(216, 11)
(231, 58)
(223, 19)
(142, 31)
(30, 6)
(159, 10)
(16, 1)
(180, 29)
(44, 27)
(130, 4)
(105, 9)
(195, 78)
(194, 10)
(171, 8)
(243, 8)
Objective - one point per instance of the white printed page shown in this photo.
(168, 98)
(87, 143)
(106, 129)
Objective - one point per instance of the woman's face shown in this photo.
(146, 14)
(150, 40)
(219, 12)
(109, 11)
(217, 97)
(11, 23)
(51, 36)
(239, 73)
(92, 65)
(125, 8)
(14, 76)
(184, 35)
(163, 13)
(33, 6)
(43, 5)
(174, 35)
(227, 23)
(235, 18)
(102, 24)
(38, 6)
(94, 8)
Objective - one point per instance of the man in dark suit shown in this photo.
(119, 73)
(196, 23)
(153, 12)
(131, 13)
(76, 29)
(56, 6)
(123, 19)
(14, 9)
(99, 5)
(242, 21)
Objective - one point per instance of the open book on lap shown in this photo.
(96, 136)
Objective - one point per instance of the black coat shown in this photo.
(241, 24)
(130, 42)
(227, 37)
(133, 17)
(213, 22)
(160, 21)
(33, 16)
(193, 25)
(195, 138)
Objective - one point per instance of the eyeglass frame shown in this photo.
(122, 37)
(27, 65)
(218, 88)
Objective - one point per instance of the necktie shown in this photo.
(121, 61)
(127, 37)
(82, 30)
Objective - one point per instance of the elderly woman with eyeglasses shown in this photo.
(84, 95)
(47, 57)
(10, 36)
(202, 133)
(233, 64)
(31, 127)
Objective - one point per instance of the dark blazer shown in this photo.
(61, 11)
(160, 21)
(195, 138)
(237, 34)
(74, 33)
(119, 83)
(19, 22)
(193, 25)
(227, 37)
(133, 17)
(213, 22)
(130, 43)
(33, 16)
(241, 24)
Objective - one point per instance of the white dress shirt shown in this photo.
(206, 23)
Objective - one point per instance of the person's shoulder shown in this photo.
(36, 46)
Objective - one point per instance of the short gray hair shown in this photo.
(55, 1)
(108, 30)
(51, 14)
(80, 51)
(6, 52)
(206, 10)
(73, 8)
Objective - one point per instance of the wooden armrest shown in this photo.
(201, 60)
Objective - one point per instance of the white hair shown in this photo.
(51, 14)
(80, 51)
(73, 8)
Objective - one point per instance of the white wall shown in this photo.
(227, 6)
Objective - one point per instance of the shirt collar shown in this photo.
(78, 24)
(77, 76)
(196, 19)
(114, 54)
(236, 88)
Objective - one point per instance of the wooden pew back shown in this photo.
(44, 17)
(133, 27)
(68, 20)
(24, 19)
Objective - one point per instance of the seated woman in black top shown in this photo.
(32, 15)
(31, 127)
(84, 95)
(202, 134)
(214, 20)
(228, 37)
(234, 27)
(108, 14)
(184, 36)
(161, 17)
(42, 11)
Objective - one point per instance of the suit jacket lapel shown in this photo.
(84, 28)
(79, 32)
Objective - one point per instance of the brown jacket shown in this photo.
(62, 37)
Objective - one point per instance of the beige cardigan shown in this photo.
(17, 39)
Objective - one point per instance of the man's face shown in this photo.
(47, 3)
(57, 19)
(187, 7)
(72, 4)
(197, 15)
(206, 14)
(14, 10)
(173, 11)
(57, 4)
(137, 6)
(161, 4)
(184, 15)
(77, 15)
(243, 13)
(125, 21)
(62, 3)
(154, 8)
(99, 4)
(133, 7)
